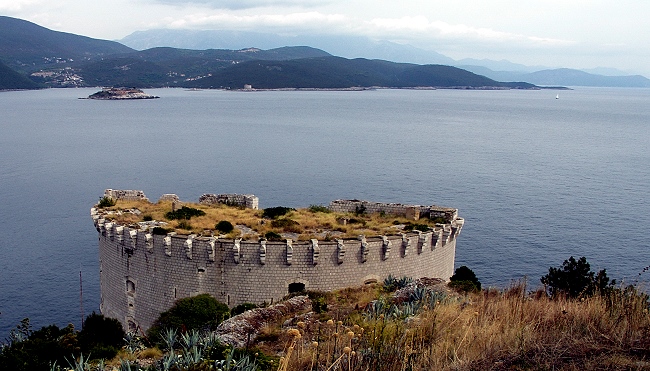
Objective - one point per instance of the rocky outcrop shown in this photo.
(121, 94)
(244, 327)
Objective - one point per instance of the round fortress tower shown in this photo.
(142, 274)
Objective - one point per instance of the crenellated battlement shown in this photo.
(206, 249)
(143, 273)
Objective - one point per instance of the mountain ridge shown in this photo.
(26, 46)
(363, 47)
(57, 59)
(339, 73)
(564, 77)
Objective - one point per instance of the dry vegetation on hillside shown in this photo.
(421, 326)
(429, 328)
(490, 331)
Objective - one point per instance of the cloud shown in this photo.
(15, 6)
(245, 4)
(418, 29)
(293, 22)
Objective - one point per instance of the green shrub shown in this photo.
(274, 212)
(287, 225)
(575, 279)
(106, 202)
(319, 209)
(224, 226)
(464, 280)
(101, 337)
(416, 227)
(160, 230)
(185, 213)
(360, 209)
(147, 218)
(193, 313)
(184, 224)
(440, 220)
(273, 236)
(27, 350)
(318, 301)
(241, 308)
(356, 221)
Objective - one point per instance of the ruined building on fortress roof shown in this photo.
(142, 274)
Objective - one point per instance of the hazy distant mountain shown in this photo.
(10, 79)
(502, 65)
(563, 77)
(363, 47)
(342, 46)
(566, 76)
(28, 47)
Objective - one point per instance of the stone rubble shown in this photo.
(236, 330)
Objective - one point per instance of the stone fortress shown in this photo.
(142, 274)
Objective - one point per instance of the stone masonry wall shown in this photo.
(125, 194)
(247, 201)
(142, 275)
(414, 212)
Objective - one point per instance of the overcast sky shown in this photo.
(567, 33)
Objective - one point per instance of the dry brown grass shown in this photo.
(310, 225)
(492, 330)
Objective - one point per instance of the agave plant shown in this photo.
(168, 360)
(125, 365)
(170, 338)
(418, 294)
(190, 340)
(133, 342)
(79, 364)
(229, 364)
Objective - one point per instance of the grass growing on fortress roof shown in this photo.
(301, 224)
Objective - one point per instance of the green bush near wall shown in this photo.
(201, 312)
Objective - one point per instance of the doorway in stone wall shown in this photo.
(296, 287)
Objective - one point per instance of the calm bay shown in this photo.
(537, 179)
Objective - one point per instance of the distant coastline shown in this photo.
(371, 88)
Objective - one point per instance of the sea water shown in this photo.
(538, 179)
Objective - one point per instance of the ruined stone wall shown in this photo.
(125, 194)
(414, 212)
(233, 199)
(142, 275)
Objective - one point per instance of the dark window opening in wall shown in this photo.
(296, 287)
(228, 300)
(130, 287)
(131, 305)
(174, 292)
(370, 281)
(201, 270)
(132, 326)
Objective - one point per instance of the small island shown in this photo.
(120, 94)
